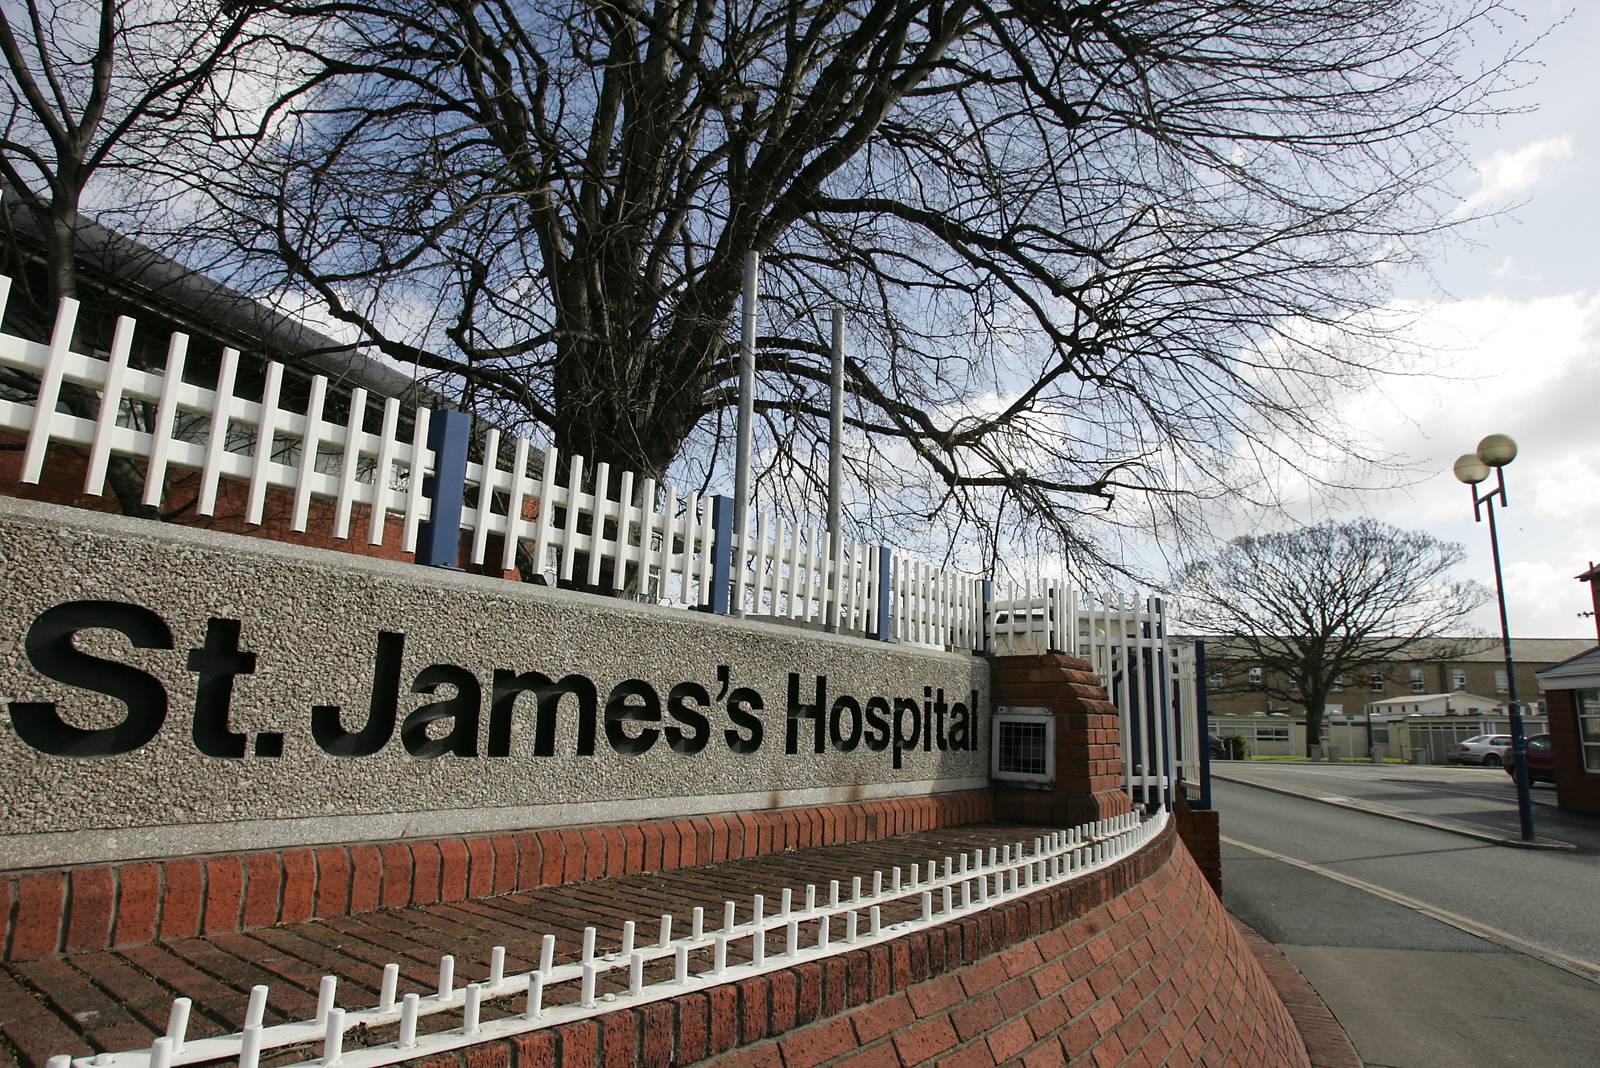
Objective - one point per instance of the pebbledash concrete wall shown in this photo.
(240, 640)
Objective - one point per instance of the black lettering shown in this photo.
(620, 711)
(798, 711)
(328, 729)
(939, 709)
(959, 724)
(685, 703)
(49, 649)
(461, 708)
(927, 719)
(903, 740)
(547, 694)
(217, 662)
(877, 724)
(844, 705)
(743, 703)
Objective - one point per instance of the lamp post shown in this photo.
(1496, 451)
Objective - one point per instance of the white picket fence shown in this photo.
(192, 428)
(943, 890)
(180, 425)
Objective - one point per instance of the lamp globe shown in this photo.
(1471, 470)
(1497, 450)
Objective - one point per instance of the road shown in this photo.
(1430, 948)
(1483, 798)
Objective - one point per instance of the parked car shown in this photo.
(1541, 761)
(1490, 750)
(1219, 748)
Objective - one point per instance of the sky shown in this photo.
(1513, 309)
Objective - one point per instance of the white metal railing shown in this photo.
(612, 525)
(936, 892)
(795, 571)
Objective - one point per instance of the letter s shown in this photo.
(51, 652)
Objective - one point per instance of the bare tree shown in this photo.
(1309, 605)
(1088, 248)
(120, 93)
(110, 109)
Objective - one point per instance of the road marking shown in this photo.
(1577, 965)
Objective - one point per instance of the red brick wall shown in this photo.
(1088, 754)
(111, 906)
(1576, 789)
(1136, 965)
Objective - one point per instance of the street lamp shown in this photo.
(1495, 451)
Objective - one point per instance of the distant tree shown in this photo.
(1311, 604)
(1088, 248)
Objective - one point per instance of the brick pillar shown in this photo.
(1088, 782)
(1201, 832)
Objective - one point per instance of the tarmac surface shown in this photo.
(1465, 799)
(1430, 948)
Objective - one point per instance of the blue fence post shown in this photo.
(721, 553)
(988, 620)
(1203, 719)
(885, 562)
(439, 539)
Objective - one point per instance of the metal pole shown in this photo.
(747, 390)
(1519, 741)
(836, 427)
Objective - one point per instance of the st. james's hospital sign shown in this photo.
(633, 715)
(168, 690)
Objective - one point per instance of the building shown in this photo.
(1453, 703)
(1572, 690)
(1442, 666)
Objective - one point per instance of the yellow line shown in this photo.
(1587, 969)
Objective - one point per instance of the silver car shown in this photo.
(1489, 750)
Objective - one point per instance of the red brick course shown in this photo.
(68, 910)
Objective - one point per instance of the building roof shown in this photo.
(1453, 695)
(1580, 672)
(1453, 650)
(139, 276)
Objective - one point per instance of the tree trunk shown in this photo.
(1314, 711)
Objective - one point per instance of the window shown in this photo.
(1500, 685)
(1458, 678)
(1214, 681)
(1023, 746)
(1255, 678)
(1588, 702)
(1416, 680)
(1375, 682)
(1338, 683)
(1272, 734)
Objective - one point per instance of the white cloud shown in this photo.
(1529, 368)
(1504, 176)
(1508, 271)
